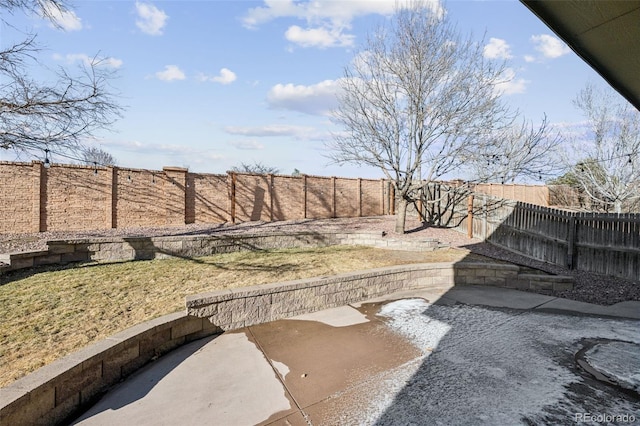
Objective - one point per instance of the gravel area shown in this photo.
(589, 287)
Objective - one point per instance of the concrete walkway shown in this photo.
(461, 355)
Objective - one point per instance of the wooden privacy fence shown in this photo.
(596, 242)
(74, 198)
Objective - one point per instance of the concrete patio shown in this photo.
(460, 355)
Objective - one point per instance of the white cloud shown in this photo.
(151, 20)
(316, 99)
(226, 76)
(170, 73)
(65, 19)
(327, 20)
(550, 46)
(269, 130)
(510, 85)
(323, 10)
(529, 58)
(497, 49)
(89, 60)
(318, 37)
(250, 145)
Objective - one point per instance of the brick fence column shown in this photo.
(304, 196)
(382, 196)
(111, 197)
(175, 195)
(359, 197)
(38, 194)
(333, 197)
(232, 196)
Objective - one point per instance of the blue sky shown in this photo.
(210, 84)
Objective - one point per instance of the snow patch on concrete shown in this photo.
(426, 333)
(619, 361)
(488, 367)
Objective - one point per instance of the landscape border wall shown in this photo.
(61, 390)
(116, 249)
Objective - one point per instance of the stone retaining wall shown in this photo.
(237, 308)
(58, 391)
(62, 389)
(111, 249)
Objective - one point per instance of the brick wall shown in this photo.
(532, 194)
(288, 197)
(19, 197)
(320, 197)
(208, 198)
(139, 198)
(347, 197)
(74, 198)
(252, 197)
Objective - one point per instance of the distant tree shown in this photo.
(255, 168)
(93, 155)
(419, 102)
(608, 170)
(52, 115)
(521, 150)
(566, 190)
(296, 172)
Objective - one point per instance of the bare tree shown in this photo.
(518, 151)
(99, 157)
(39, 116)
(255, 168)
(419, 102)
(608, 154)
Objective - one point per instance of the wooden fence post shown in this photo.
(419, 205)
(470, 216)
(392, 199)
(571, 241)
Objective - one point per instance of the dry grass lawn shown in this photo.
(55, 311)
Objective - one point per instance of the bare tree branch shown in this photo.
(255, 168)
(34, 115)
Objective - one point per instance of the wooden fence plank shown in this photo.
(603, 243)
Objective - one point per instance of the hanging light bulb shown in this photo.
(47, 163)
